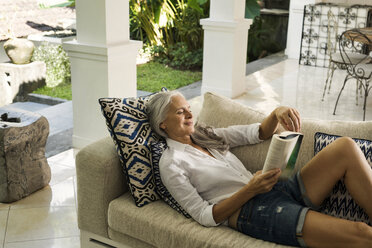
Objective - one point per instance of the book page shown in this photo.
(279, 153)
(283, 152)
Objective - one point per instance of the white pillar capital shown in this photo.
(226, 26)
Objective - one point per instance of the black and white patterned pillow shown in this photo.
(157, 149)
(129, 127)
(340, 203)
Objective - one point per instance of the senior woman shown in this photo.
(214, 187)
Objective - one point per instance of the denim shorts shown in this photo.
(277, 216)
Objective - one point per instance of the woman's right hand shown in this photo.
(260, 183)
(263, 182)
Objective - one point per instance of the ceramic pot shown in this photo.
(19, 50)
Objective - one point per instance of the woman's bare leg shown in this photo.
(341, 159)
(322, 230)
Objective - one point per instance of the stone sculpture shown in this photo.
(19, 50)
(23, 166)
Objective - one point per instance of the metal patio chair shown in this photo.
(335, 59)
(360, 70)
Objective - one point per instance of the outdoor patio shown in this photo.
(47, 218)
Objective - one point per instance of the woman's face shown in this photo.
(179, 120)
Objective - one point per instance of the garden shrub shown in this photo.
(188, 28)
(178, 56)
(56, 61)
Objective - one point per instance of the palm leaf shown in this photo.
(195, 5)
(252, 9)
(201, 2)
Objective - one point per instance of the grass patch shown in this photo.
(151, 77)
(60, 91)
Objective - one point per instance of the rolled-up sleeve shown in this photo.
(176, 180)
(240, 134)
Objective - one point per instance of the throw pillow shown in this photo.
(157, 149)
(127, 122)
(340, 203)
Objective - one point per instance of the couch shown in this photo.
(107, 214)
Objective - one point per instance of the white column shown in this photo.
(295, 21)
(103, 64)
(225, 48)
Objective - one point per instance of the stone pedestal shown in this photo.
(16, 81)
(23, 166)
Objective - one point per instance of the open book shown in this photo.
(283, 152)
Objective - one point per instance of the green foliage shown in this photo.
(252, 9)
(188, 29)
(165, 23)
(153, 76)
(150, 21)
(178, 56)
(56, 61)
(265, 37)
(172, 28)
(155, 22)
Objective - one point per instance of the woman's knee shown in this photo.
(362, 228)
(345, 142)
(345, 146)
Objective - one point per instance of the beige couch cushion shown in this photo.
(161, 226)
(219, 111)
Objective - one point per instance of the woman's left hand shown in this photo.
(289, 118)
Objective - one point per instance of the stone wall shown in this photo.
(16, 81)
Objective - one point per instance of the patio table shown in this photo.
(362, 35)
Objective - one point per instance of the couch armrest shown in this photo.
(100, 179)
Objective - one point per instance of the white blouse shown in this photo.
(197, 181)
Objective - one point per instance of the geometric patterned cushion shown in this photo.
(157, 149)
(127, 122)
(340, 203)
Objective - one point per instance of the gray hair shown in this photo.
(157, 108)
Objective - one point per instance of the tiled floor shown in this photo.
(291, 84)
(47, 218)
(301, 87)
